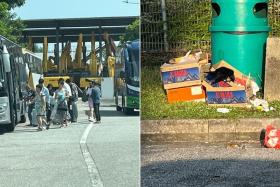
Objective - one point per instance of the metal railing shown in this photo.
(186, 25)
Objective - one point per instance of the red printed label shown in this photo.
(179, 73)
(240, 81)
(224, 95)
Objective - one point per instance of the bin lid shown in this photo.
(240, 15)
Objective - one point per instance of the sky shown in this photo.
(46, 9)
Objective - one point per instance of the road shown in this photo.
(193, 164)
(83, 154)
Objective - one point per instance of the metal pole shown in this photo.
(164, 19)
(57, 47)
(100, 44)
(62, 41)
(84, 52)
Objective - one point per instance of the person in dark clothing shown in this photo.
(30, 102)
(72, 105)
(96, 96)
(51, 104)
(51, 90)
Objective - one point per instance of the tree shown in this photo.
(10, 26)
(13, 3)
(132, 32)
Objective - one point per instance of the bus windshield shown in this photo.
(133, 67)
(2, 82)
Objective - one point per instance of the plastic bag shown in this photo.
(272, 137)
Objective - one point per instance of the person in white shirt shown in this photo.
(68, 93)
(66, 87)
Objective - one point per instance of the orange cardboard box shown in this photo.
(192, 93)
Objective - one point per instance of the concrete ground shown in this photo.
(204, 164)
(56, 157)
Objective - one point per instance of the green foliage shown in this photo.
(38, 49)
(155, 106)
(274, 18)
(13, 3)
(132, 32)
(188, 23)
(10, 25)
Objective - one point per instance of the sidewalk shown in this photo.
(212, 130)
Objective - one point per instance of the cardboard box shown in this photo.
(225, 93)
(240, 78)
(180, 75)
(204, 59)
(193, 93)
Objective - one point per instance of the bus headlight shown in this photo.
(3, 107)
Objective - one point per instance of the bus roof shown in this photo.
(6, 41)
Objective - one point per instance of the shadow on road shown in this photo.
(211, 172)
(113, 113)
(2, 130)
(25, 130)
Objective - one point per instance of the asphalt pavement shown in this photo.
(204, 164)
(83, 154)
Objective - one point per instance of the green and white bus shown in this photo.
(127, 77)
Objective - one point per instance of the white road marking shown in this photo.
(92, 169)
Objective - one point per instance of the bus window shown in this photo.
(134, 64)
(132, 67)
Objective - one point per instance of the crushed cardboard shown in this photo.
(240, 78)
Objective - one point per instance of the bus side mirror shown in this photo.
(6, 59)
(122, 75)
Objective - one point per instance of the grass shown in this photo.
(154, 104)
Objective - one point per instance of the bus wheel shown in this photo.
(11, 127)
(128, 110)
(123, 104)
(22, 119)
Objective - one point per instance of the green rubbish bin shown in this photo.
(239, 31)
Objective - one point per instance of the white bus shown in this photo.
(14, 68)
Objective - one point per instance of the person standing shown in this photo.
(52, 103)
(40, 107)
(68, 93)
(30, 98)
(47, 95)
(90, 102)
(60, 96)
(96, 96)
(73, 109)
(65, 86)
